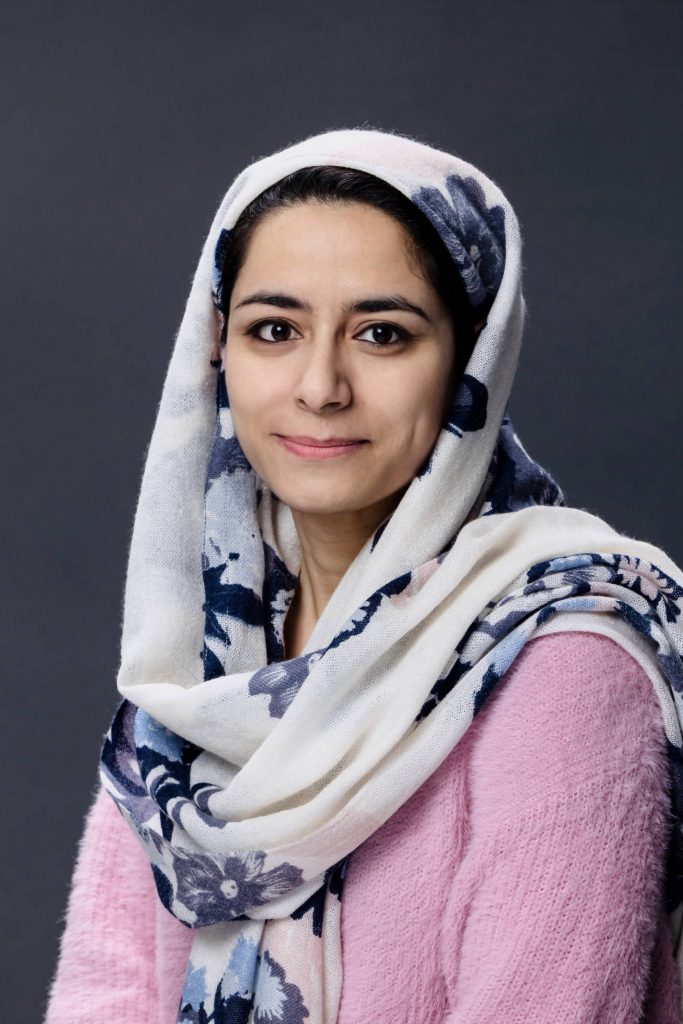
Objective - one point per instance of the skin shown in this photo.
(324, 372)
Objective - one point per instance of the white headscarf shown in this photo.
(248, 778)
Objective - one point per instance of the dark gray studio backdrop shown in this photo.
(123, 126)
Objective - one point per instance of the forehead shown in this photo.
(328, 226)
(353, 240)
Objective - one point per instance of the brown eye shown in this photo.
(280, 330)
(381, 335)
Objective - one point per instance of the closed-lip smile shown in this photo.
(303, 439)
(320, 447)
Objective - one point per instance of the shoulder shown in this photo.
(573, 707)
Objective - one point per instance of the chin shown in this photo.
(318, 504)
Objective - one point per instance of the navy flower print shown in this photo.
(219, 888)
(473, 233)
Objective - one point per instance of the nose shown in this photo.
(323, 381)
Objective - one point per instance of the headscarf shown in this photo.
(250, 778)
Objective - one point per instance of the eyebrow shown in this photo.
(376, 304)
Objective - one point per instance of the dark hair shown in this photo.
(330, 184)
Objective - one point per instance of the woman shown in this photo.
(400, 731)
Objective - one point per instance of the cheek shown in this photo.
(251, 393)
(416, 403)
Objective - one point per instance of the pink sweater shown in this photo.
(523, 881)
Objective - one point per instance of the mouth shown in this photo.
(320, 448)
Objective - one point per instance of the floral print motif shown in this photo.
(473, 232)
(281, 683)
(275, 998)
(219, 888)
(514, 479)
(253, 988)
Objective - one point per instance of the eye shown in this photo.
(280, 333)
(278, 326)
(381, 332)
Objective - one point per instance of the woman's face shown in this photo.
(317, 348)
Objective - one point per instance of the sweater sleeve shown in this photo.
(556, 914)
(105, 968)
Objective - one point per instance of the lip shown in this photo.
(320, 448)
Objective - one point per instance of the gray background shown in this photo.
(124, 124)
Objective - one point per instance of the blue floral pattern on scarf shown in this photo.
(272, 999)
(474, 233)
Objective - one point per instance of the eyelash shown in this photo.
(403, 335)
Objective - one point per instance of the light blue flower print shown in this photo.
(194, 988)
(150, 733)
(238, 977)
(276, 999)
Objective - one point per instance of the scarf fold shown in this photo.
(249, 778)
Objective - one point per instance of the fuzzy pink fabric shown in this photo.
(523, 881)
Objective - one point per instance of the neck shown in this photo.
(329, 543)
